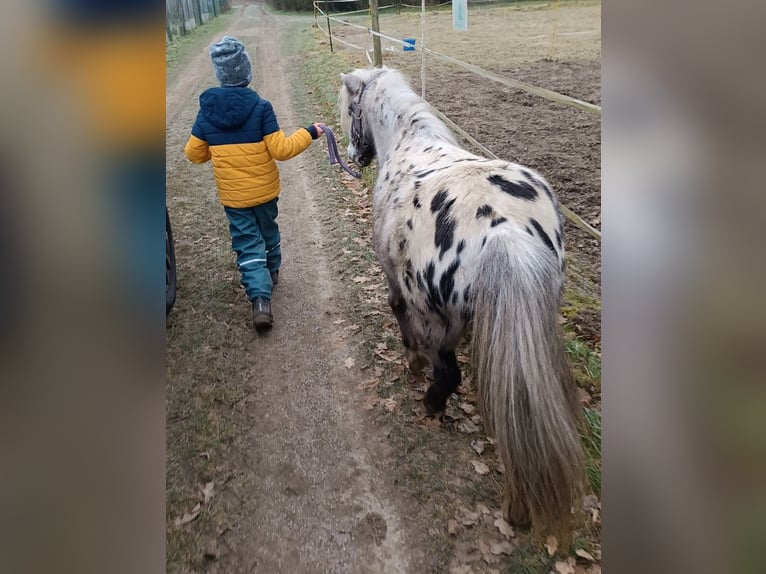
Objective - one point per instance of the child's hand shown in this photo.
(319, 129)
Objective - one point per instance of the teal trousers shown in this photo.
(255, 239)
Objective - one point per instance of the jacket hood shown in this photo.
(228, 107)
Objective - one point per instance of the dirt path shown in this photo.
(300, 488)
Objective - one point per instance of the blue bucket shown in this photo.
(409, 44)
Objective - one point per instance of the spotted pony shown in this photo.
(469, 241)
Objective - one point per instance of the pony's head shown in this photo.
(361, 147)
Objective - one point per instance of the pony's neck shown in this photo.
(404, 117)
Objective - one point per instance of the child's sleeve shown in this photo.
(280, 146)
(197, 149)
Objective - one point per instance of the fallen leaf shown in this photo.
(551, 544)
(503, 547)
(467, 408)
(466, 553)
(349, 363)
(480, 467)
(368, 385)
(428, 422)
(565, 567)
(189, 516)
(504, 528)
(487, 554)
(583, 554)
(360, 279)
(390, 404)
(478, 446)
(370, 403)
(207, 492)
(476, 419)
(338, 322)
(452, 526)
(461, 569)
(482, 508)
(467, 517)
(467, 427)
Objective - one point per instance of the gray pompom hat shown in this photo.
(231, 62)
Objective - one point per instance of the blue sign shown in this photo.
(460, 15)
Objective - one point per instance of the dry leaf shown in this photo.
(482, 508)
(480, 467)
(487, 554)
(349, 363)
(390, 404)
(207, 492)
(467, 517)
(370, 403)
(467, 427)
(452, 526)
(478, 446)
(551, 544)
(338, 322)
(503, 547)
(565, 567)
(360, 279)
(504, 528)
(467, 408)
(584, 554)
(466, 553)
(189, 516)
(461, 569)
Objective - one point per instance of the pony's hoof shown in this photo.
(434, 401)
(416, 361)
(516, 514)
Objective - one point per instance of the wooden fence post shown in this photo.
(375, 22)
(329, 31)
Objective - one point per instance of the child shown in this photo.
(238, 130)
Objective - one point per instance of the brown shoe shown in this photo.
(262, 318)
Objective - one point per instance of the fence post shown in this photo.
(197, 9)
(375, 22)
(314, 3)
(329, 31)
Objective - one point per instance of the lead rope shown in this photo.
(332, 150)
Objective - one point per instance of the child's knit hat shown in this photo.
(231, 62)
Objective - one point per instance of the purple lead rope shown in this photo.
(332, 150)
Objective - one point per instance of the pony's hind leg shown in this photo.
(415, 358)
(446, 381)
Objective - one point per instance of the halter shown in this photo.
(359, 139)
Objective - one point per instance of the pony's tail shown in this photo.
(526, 389)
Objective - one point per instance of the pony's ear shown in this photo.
(352, 83)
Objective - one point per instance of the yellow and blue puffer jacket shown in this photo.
(238, 130)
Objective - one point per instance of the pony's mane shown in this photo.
(403, 97)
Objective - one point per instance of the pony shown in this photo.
(465, 241)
